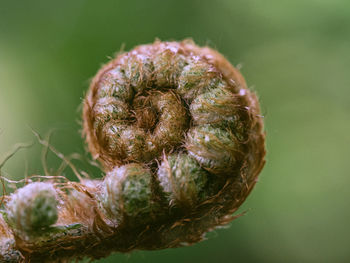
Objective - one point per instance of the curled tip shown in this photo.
(174, 124)
(33, 207)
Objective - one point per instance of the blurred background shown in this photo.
(294, 54)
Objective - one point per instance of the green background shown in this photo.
(295, 54)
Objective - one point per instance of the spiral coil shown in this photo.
(180, 137)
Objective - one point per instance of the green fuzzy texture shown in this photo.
(193, 79)
(113, 85)
(33, 207)
(108, 108)
(44, 211)
(183, 180)
(214, 148)
(127, 192)
(217, 107)
(136, 69)
(168, 67)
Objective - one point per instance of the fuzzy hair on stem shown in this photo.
(180, 138)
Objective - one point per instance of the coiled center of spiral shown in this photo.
(164, 100)
(141, 125)
(146, 116)
(155, 109)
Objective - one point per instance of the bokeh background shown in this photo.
(294, 54)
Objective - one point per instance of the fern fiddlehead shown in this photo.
(181, 140)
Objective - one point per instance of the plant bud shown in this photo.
(183, 180)
(127, 192)
(33, 207)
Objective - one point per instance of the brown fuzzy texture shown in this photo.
(153, 103)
